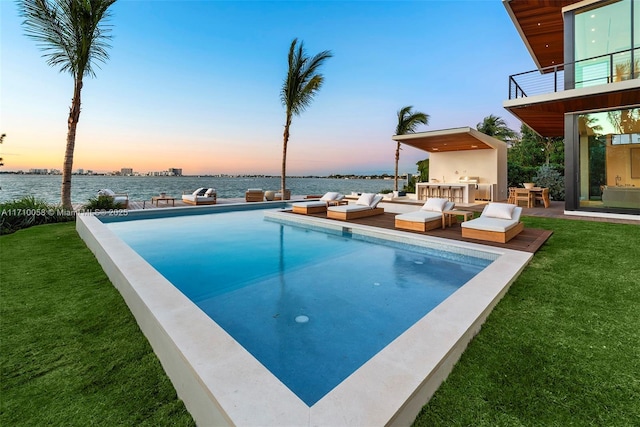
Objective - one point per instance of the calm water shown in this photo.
(83, 188)
(311, 306)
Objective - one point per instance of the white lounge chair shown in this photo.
(428, 217)
(121, 198)
(499, 222)
(317, 206)
(366, 205)
(202, 196)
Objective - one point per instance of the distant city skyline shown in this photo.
(197, 84)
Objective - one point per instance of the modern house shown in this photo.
(586, 88)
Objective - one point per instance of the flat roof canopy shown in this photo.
(457, 139)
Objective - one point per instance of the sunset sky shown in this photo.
(196, 85)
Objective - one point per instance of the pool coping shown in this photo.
(222, 384)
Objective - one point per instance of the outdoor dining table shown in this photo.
(530, 195)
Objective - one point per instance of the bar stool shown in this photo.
(445, 192)
(434, 191)
(456, 194)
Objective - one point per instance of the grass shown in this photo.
(71, 352)
(561, 348)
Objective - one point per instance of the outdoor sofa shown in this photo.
(499, 222)
(202, 196)
(254, 195)
(428, 217)
(366, 205)
(121, 198)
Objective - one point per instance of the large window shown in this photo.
(609, 164)
(604, 41)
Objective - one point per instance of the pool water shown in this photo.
(312, 306)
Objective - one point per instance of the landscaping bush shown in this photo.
(102, 203)
(29, 211)
(549, 177)
(517, 174)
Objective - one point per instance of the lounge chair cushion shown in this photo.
(366, 199)
(499, 210)
(486, 223)
(349, 208)
(317, 203)
(435, 204)
(210, 192)
(199, 192)
(106, 192)
(377, 199)
(331, 195)
(420, 216)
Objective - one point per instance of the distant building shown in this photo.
(80, 171)
(126, 171)
(175, 171)
(39, 171)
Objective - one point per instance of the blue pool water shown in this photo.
(311, 306)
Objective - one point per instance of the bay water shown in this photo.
(85, 187)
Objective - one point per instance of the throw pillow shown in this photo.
(366, 199)
(499, 210)
(434, 204)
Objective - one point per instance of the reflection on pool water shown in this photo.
(311, 305)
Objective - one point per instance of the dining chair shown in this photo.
(523, 195)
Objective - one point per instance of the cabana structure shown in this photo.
(464, 164)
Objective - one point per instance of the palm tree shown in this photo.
(408, 121)
(72, 35)
(302, 83)
(496, 127)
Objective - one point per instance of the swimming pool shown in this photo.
(311, 304)
(222, 383)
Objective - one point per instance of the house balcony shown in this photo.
(541, 98)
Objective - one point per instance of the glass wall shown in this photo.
(600, 31)
(609, 158)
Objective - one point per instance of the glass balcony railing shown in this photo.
(603, 69)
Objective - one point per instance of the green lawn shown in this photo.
(560, 349)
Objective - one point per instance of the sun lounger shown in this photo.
(202, 196)
(428, 217)
(121, 198)
(365, 206)
(254, 195)
(317, 206)
(499, 222)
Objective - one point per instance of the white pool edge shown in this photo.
(222, 384)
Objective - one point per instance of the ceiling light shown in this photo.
(593, 16)
(593, 29)
(546, 45)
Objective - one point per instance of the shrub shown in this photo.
(517, 174)
(29, 211)
(102, 203)
(548, 176)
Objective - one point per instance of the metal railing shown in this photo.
(603, 69)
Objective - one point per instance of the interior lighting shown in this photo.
(593, 16)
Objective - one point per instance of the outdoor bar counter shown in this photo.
(423, 189)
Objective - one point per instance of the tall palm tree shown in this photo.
(302, 83)
(72, 34)
(408, 121)
(496, 127)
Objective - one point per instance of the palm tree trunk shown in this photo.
(283, 185)
(74, 116)
(395, 177)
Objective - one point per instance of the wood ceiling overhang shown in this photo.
(547, 117)
(441, 141)
(541, 27)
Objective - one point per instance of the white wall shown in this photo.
(489, 165)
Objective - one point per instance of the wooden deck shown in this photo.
(530, 240)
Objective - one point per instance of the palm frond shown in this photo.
(303, 80)
(409, 120)
(73, 34)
